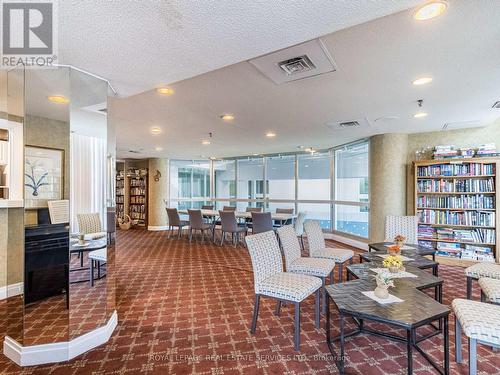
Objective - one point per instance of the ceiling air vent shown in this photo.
(348, 124)
(304, 60)
(134, 151)
(297, 65)
(496, 105)
(351, 124)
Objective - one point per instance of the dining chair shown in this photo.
(318, 249)
(296, 263)
(196, 223)
(261, 222)
(299, 227)
(248, 221)
(175, 221)
(230, 225)
(253, 209)
(209, 219)
(90, 225)
(287, 211)
(229, 208)
(403, 225)
(271, 281)
(207, 207)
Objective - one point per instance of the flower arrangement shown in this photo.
(384, 282)
(399, 240)
(394, 250)
(393, 262)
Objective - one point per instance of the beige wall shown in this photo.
(388, 156)
(157, 193)
(11, 246)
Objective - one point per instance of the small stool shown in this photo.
(490, 290)
(478, 270)
(479, 322)
(97, 257)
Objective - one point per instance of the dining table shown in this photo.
(277, 217)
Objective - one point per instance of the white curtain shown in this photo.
(88, 177)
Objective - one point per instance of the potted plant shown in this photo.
(384, 282)
(399, 240)
(393, 263)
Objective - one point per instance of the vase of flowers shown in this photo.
(384, 282)
(399, 240)
(394, 250)
(393, 263)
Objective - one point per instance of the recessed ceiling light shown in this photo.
(212, 158)
(255, 154)
(430, 10)
(155, 130)
(422, 81)
(165, 90)
(270, 135)
(58, 99)
(227, 117)
(205, 142)
(420, 114)
(158, 148)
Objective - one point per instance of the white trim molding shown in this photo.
(60, 351)
(11, 290)
(155, 228)
(348, 241)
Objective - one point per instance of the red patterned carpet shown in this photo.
(186, 310)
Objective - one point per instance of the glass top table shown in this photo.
(417, 260)
(408, 248)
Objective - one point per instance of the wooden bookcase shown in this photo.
(456, 198)
(120, 193)
(138, 197)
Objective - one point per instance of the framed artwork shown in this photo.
(43, 176)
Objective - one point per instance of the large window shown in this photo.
(330, 186)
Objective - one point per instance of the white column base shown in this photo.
(11, 290)
(60, 351)
(157, 227)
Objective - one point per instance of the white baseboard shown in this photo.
(60, 351)
(348, 241)
(11, 290)
(157, 227)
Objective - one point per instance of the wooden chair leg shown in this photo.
(277, 311)
(296, 336)
(255, 313)
(469, 287)
(472, 356)
(341, 267)
(458, 341)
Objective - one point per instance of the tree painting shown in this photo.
(32, 181)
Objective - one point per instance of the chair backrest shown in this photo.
(261, 222)
(253, 209)
(299, 223)
(229, 208)
(89, 223)
(404, 225)
(195, 219)
(265, 255)
(284, 211)
(315, 237)
(290, 244)
(207, 207)
(173, 216)
(228, 221)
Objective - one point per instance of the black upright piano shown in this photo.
(46, 265)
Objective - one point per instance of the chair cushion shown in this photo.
(479, 320)
(484, 269)
(320, 267)
(289, 286)
(95, 236)
(490, 288)
(337, 254)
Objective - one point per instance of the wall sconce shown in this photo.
(157, 176)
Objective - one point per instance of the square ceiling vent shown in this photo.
(304, 60)
(348, 124)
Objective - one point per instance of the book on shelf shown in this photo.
(465, 218)
(470, 201)
(450, 170)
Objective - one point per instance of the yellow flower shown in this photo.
(393, 261)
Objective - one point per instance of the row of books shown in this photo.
(137, 191)
(137, 182)
(456, 186)
(478, 235)
(463, 169)
(456, 201)
(138, 200)
(470, 218)
(450, 152)
(469, 252)
(120, 199)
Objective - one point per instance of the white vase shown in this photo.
(381, 292)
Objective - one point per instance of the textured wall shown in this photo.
(158, 191)
(11, 246)
(388, 158)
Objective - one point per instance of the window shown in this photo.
(189, 180)
(314, 176)
(280, 174)
(225, 178)
(317, 211)
(250, 176)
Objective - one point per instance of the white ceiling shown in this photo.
(375, 61)
(138, 45)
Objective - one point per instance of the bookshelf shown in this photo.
(138, 196)
(456, 202)
(120, 194)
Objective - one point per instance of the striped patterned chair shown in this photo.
(90, 225)
(480, 323)
(296, 263)
(490, 290)
(478, 270)
(271, 281)
(318, 249)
